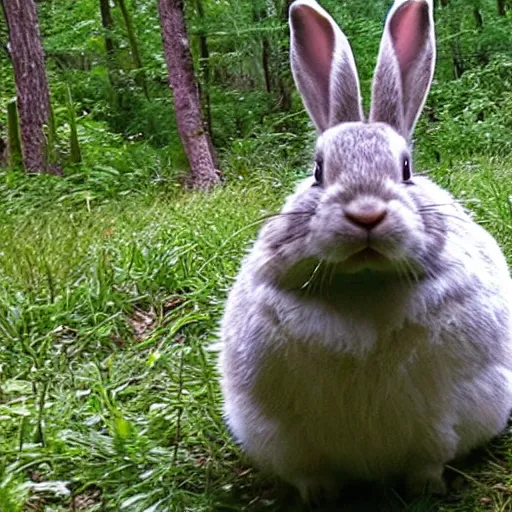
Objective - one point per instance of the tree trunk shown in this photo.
(134, 47)
(3, 151)
(265, 57)
(110, 49)
(204, 91)
(108, 24)
(458, 63)
(502, 8)
(483, 58)
(32, 92)
(285, 82)
(259, 14)
(478, 19)
(182, 81)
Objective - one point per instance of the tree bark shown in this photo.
(502, 11)
(186, 98)
(33, 96)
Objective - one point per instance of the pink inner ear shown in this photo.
(316, 39)
(409, 29)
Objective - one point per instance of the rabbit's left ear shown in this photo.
(405, 66)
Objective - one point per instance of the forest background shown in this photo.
(113, 269)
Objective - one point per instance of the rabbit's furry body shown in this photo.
(336, 367)
(377, 382)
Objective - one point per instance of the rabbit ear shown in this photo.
(323, 66)
(405, 66)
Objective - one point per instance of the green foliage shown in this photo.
(74, 146)
(51, 146)
(470, 116)
(235, 33)
(109, 305)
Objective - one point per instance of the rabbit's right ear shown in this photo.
(323, 66)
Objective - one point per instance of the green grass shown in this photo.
(109, 305)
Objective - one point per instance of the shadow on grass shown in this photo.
(263, 495)
(254, 492)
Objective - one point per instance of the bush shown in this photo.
(470, 116)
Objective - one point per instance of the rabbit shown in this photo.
(368, 333)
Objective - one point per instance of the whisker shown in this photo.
(447, 215)
(451, 203)
(403, 272)
(285, 214)
(412, 271)
(402, 277)
(411, 274)
(292, 240)
(307, 285)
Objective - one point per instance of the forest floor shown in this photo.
(109, 309)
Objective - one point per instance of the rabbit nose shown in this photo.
(366, 216)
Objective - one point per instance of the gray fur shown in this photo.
(339, 366)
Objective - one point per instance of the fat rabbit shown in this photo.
(368, 334)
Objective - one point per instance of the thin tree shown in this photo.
(454, 23)
(204, 88)
(32, 91)
(134, 47)
(187, 104)
(259, 15)
(3, 151)
(284, 81)
(108, 24)
(501, 4)
(479, 22)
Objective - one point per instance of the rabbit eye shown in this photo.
(406, 169)
(319, 171)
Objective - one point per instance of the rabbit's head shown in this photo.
(369, 212)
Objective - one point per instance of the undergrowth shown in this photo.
(108, 311)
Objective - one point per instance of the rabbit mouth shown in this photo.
(368, 255)
(367, 258)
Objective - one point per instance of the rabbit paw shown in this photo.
(318, 490)
(425, 480)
